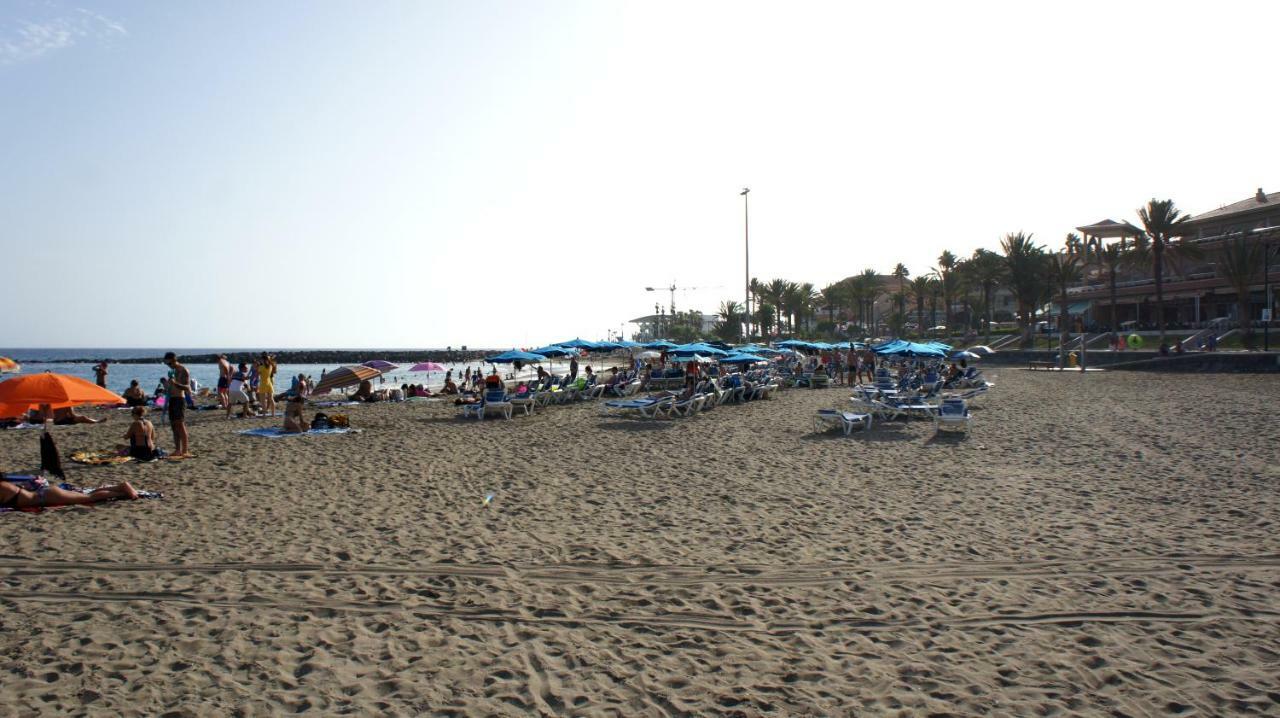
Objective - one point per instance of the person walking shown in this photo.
(224, 382)
(176, 387)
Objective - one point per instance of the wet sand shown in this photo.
(1099, 544)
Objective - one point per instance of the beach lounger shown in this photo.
(846, 421)
(882, 410)
(496, 402)
(952, 416)
(686, 407)
(648, 408)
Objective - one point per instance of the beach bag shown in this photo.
(320, 421)
(339, 421)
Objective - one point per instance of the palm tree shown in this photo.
(1063, 271)
(831, 297)
(730, 325)
(871, 289)
(946, 263)
(900, 273)
(935, 291)
(920, 288)
(775, 291)
(1024, 263)
(988, 270)
(1239, 261)
(1112, 258)
(1162, 220)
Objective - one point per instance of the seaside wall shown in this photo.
(323, 356)
(1200, 362)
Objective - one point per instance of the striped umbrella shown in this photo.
(343, 377)
(9, 366)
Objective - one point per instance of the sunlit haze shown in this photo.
(511, 174)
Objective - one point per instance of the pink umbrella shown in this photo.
(380, 365)
(427, 366)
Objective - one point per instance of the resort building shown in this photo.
(1198, 289)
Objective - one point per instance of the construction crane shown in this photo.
(673, 288)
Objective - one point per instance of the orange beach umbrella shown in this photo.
(59, 391)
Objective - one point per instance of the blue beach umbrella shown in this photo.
(516, 356)
(698, 348)
(742, 359)
(576, 343)
(554, 351)
(659, 344)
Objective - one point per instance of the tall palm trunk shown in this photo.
(1157, 249)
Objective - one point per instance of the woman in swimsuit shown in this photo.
(142, 436)
(13, 496)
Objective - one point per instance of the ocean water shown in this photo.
(149, 375)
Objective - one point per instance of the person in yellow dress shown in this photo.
(266, 366)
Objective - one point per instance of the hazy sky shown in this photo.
(409, 174)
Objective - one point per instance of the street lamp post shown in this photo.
(746, 274)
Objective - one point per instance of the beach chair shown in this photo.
(525, 403)
(684, 407)
(952, 416)
(496, 402)
(846, 421)
(819, 380)
(475, 410)
(881, 410)
(647, 408)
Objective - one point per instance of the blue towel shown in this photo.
(275, 432)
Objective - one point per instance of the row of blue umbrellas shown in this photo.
(745, 354)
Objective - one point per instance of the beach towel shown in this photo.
(97, 458)
(36, 483)
(327, 404)
(275, 432)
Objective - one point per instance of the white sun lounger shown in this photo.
(953, 416)
(846, 421)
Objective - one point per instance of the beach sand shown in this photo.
(1099, 544)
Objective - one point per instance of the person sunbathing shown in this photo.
(62, 417)
(142, 437)
(364, 392)
(13, 496)
(134, 395)
(294, 421)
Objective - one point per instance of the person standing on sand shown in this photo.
(176, 387)
(266, 384)
(573, 369)
(100, 371)
(224, 382)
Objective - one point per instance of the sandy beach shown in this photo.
(1100, 544)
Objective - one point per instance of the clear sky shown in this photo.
(413, 174)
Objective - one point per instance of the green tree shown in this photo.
(1162, 221)
(1023, 260)
(945, 272)
(1239, 261)
(1112, 258)
(729, 326)
(920, 289)
(900, 273)
(1063, 271)
(988, 271)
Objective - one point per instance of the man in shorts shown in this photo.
(224, 382)
(176, 387)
